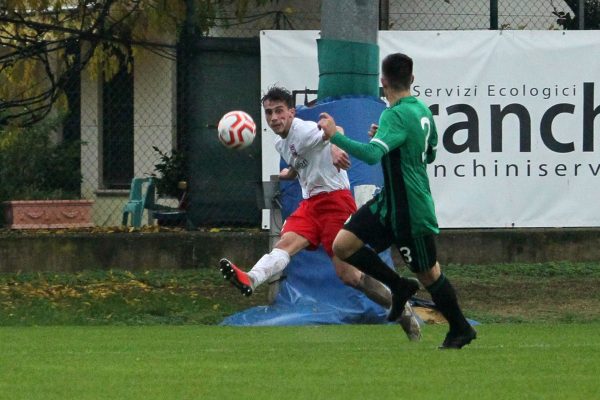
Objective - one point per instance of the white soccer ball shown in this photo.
(236, 130)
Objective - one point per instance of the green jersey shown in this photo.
(405, 143)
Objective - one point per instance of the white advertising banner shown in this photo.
(517, 113)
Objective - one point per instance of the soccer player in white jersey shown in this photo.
(327, 203)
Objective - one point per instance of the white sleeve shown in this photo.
(278, 145)
(310, 137)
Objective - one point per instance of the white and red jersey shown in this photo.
(305, 150)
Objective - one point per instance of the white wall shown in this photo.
(154, 109)
(154, 125)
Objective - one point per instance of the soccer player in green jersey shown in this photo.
(403, 212)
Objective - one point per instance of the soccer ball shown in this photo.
(236, 130)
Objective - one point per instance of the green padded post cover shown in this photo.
(347, 68)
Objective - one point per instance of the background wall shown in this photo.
(203, 249)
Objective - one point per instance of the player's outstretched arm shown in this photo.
(327, 125)
(370, 152)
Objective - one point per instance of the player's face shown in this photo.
(279, 116)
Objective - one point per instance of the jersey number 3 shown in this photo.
(405, 252)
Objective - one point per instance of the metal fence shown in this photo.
(134, 124)
(466, 15)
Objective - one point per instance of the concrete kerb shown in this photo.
(134, 251)
(69, 252)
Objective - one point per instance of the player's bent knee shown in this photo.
(430, 276)
(292, 243)
(340, 250)
(346, 244)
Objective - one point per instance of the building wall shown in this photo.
(155, 84)
(154, 125)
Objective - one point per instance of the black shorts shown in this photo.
(419, 253)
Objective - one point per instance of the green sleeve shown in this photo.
(370, 153)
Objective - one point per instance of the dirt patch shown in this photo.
(543, 299)
(429, 315)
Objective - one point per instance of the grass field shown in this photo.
(507, 361)
(152, 334)
(550, 292)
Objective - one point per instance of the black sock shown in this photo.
(444, 297)
(366, 260)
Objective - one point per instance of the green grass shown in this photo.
(549, 292)
(119, 298)
(545, 292)
(151, 334)
(507, 361)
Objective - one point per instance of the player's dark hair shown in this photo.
(397, 68)
(276, 93)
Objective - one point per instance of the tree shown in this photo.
(591, 15)
(44, 43)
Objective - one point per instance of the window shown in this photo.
(117, 128)
(72, 122)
